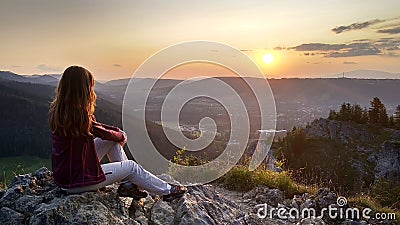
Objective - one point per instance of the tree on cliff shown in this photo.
(396, 118)
(349, 112)
(377, 113)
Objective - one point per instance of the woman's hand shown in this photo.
(123, 142)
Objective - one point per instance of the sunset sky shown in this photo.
(112, 38)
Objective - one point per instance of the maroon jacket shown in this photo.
(74, 160)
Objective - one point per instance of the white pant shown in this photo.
(122, 169)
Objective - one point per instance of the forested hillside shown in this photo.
(23, 117)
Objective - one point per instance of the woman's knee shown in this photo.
(103, 142)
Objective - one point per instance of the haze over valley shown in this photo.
(298, 102)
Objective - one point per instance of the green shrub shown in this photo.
(183, 159)
(239, 178)
(386, 193)
(366, 201)
(183, 175)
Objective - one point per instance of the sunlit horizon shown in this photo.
(308, 40)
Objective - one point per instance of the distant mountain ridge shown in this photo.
(24, 110)
(356, 74)
(298, 100)
(46, 79)
(366, 74)
(37, 79)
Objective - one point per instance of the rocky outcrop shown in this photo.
(342, 152)
(35, 199)
(373, 152)
(388, 160)
(338, 131)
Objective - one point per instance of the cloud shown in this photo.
(278, 48)
(394, 48)
(392, 22)
(388, 44)
(349, 62)
(386, 26)
(318, 47)
(355, 26)
(339, 50)
(355, 50)
(117, 65)
(16, 66)
(362, 40)
(385, 46)
(392, 54)
(49, 68)
(395, 30)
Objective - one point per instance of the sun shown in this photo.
(268, 58)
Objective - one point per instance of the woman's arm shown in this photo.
(107, 132)
(109, 127)
(100, 131)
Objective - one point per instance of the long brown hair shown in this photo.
(73, 105)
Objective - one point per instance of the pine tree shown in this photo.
(391, 122)
(383, 117)
(397, 117)
(357, 113)
(345, 112)
(364, 117)
(332, 115)
(373, 112)
(377, 113)
(342, 112)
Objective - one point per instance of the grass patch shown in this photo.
(366, 201)
(386, 193)
(12, 166)
(380, 136)
(239, 178)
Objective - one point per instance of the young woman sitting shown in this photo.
(80, 142)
